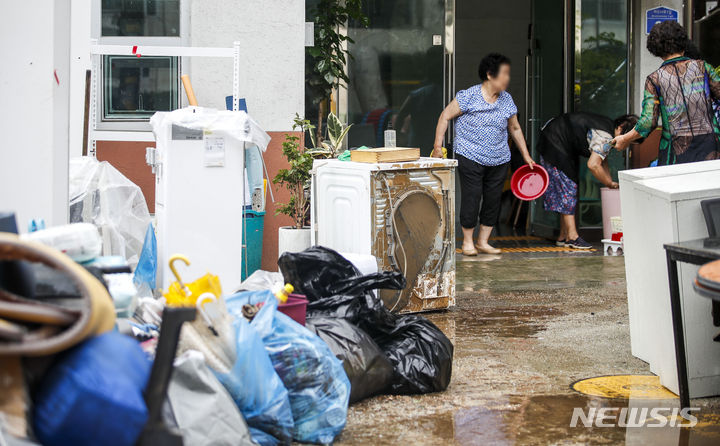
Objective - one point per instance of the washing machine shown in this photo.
(402, 213)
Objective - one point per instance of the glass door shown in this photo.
(600, 86)
(547, 56)
(579, 56)
(397, 72)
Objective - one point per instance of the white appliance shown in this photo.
(662, 205)
(200, 190)
(401, 213)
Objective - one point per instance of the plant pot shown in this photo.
(291, 239)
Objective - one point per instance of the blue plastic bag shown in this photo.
(263, 438)
(146, 269)
(318, 387)
(93, 394)
(257, 390)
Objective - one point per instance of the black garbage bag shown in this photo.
(335, 288)
(316, 271)
(369, 370)
(360, 307)
(321, 272)
(420, 353)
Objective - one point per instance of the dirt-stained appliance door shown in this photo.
(413, 232)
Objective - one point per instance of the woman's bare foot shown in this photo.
(486, 248)
(468, 249)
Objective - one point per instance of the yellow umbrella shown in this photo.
(180, 294)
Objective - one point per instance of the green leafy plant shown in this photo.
(296, 177)
(333, 146)
(328, 56)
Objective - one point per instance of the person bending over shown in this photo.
(563, 140)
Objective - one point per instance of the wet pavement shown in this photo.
(526, 327)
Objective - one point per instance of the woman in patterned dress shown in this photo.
(679, 96)
(563, 141)
(485, 115)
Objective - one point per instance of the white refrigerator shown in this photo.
(662, 205)
(200, 190)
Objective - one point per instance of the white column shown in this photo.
(79, 63)
(34, 95)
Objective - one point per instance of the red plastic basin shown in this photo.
(295, 308)
(528, 184)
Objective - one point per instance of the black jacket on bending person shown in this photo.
(563, 140)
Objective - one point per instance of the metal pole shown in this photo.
(678, 331)
(93, 115)
(567, 47)
(236, 76)
(527, 98)
(449, 64)
(235, 108)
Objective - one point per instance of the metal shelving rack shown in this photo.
(97, 51)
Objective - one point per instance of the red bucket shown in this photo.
(528, 184)
(295, 308)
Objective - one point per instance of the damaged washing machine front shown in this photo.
(410, 210)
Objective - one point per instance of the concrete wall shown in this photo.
(34, 94)
(644, 62)
(272, 77)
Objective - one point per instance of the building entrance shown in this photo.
(569, 55)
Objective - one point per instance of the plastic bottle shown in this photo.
(282, 292)
(390, 136)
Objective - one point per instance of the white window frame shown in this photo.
(136, 125)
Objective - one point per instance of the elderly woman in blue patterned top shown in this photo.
(485, 115)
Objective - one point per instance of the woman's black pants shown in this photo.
(478, 182)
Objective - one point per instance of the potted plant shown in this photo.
(332, 147)
(296, 179)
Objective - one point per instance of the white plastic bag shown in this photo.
(201, 407)
(261, 280)
(101, 195)
(238, 125)
(80, 241)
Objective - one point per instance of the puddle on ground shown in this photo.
(546, 419)
(503, 322)
(514, 274)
